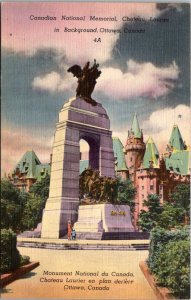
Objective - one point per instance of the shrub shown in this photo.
(10, 257)
(159, 238)
(24, 260)
(173, 269)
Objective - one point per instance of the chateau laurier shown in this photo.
(150, 171)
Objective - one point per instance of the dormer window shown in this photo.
(36, 161)
(42, 171)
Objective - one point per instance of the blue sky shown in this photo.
(143, 73)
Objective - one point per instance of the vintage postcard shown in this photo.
(95, 189)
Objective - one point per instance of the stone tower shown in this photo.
(134, 149)
(147, 177)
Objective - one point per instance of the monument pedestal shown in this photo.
(77, 120)
(103, 218)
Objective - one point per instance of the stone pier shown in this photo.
(77, 120)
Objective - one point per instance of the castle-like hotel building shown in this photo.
(150, 172)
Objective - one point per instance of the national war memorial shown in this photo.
(81, 118)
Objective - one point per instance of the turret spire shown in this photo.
(135, 129)
(151, 155)
(176, 141)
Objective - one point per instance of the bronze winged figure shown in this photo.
(86, 80)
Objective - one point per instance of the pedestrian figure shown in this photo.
(69, 230)
(73, 234)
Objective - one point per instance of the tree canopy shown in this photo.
(21, 210)
(181, 199)
(149, 218)
(13, 202)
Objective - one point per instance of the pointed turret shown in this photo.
(176, 141)
(134, 148)
(151, 155)
(135, 129)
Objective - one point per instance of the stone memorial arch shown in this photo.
(78, 119)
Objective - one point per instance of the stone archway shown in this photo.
(93, 141)
(77, 120)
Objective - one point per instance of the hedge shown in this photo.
(159, 238)
(169, 260)
(10, 257)
(173, 269)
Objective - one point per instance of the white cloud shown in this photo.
(49, 82)
(53, 82)
(122, 135)
(77, 46)
(160, 124)
(16, 141)
(140, 80)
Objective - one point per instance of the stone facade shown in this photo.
(28, 170)
(104, 218)
(150, 172)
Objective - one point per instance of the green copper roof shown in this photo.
(31, 176)
(119, 154)
(176, 140)
(83, 165)
(31, 166)
(135, 129)
(41, 171)
(179, 162)
(151, 154)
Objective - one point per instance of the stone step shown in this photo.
(87, 235)
(111, 236)
(71, 246)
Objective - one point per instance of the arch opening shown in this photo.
(84, 155)
(91, 143)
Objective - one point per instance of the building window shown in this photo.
(151, 187)
(131, 159)
(142, 187)
(142, 196)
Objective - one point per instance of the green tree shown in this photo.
(181, 198)
(38, 194)
(13, 202)
(126, 193)
(41, 188)
(171, 216)
(32, 214)
(149, 218)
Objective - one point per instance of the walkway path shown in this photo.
(34, 285)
